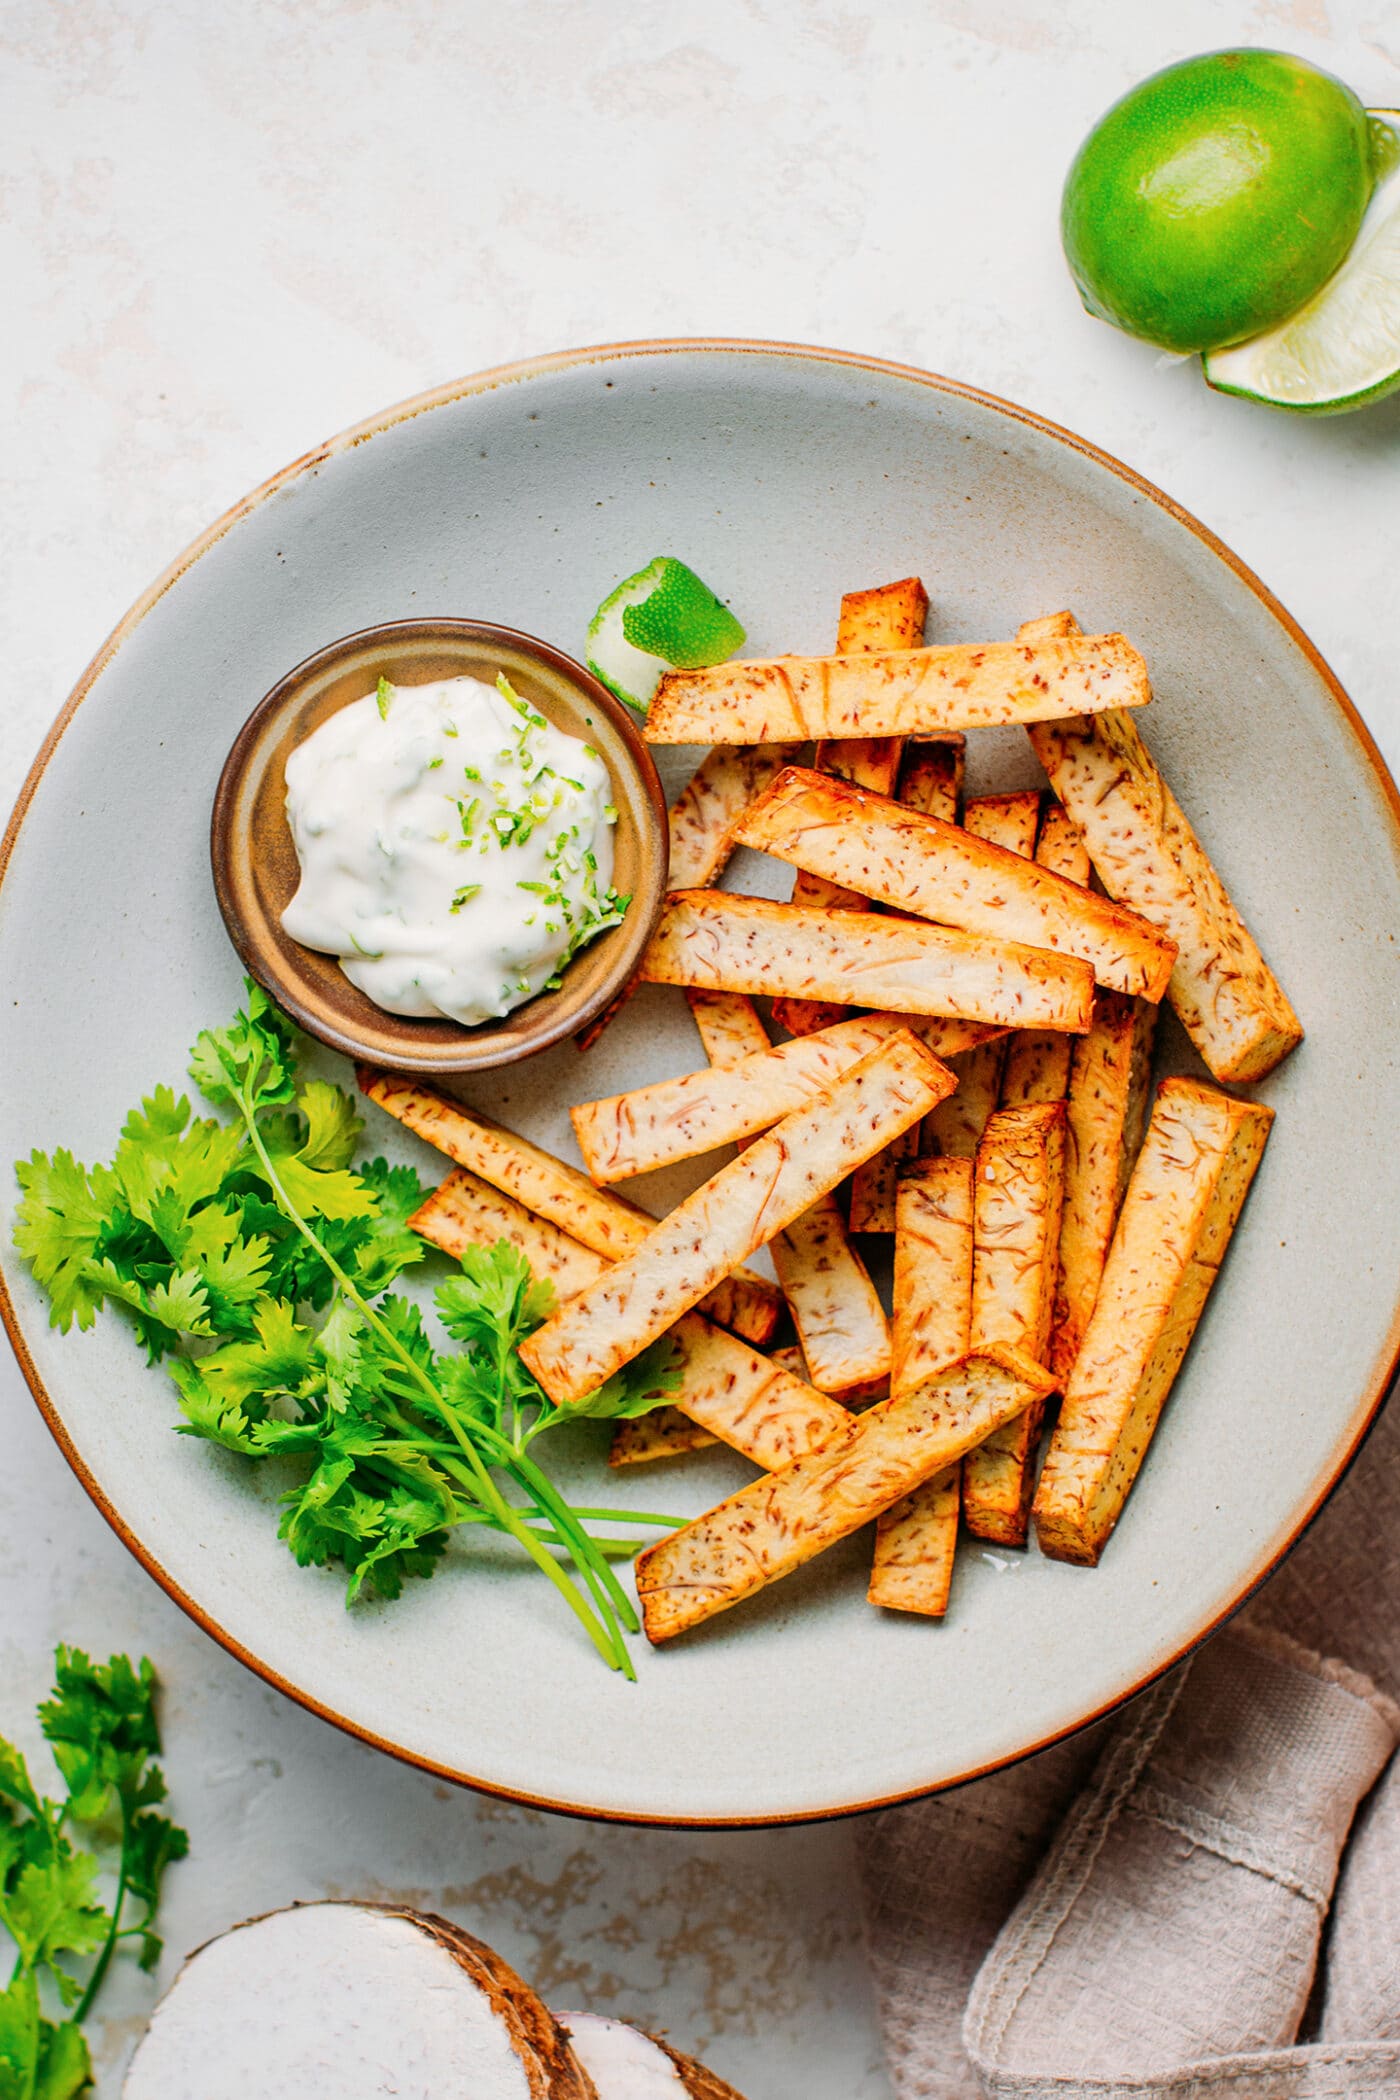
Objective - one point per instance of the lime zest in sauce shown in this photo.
(456, 849)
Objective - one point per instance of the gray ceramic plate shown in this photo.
(785, 477)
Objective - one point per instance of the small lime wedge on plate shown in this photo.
(1342, 349)
(665, 618)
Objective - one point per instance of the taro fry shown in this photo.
(1037, 1062)
(1148, 857)
(775, 1525)
(673, 1119)
(916, 1540)
(930, 780)
(1109, 1082)
(956, 875)
(1018, 1194)
(725, 943)
(1198, 1159)
(906, 692)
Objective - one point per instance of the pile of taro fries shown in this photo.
(970, 994)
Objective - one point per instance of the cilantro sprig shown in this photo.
(257, 1264)
(55, 1905)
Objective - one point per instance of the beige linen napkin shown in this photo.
(1167, 1941)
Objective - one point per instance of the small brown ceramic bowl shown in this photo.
(255, 861)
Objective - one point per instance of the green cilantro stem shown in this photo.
(257, 1263)
(109, 1947)
(100, 1723)
(606, 1638)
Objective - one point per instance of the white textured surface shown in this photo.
(327, 2002)
(227, 234)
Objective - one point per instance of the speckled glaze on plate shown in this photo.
(785, 476)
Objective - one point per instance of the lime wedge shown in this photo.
(1341, 350)
(662, 619)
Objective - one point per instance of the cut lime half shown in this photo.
(1341, 350)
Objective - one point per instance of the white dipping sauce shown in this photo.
(456, 849)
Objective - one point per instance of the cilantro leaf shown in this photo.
(20, 2036)
(333, 1124)
(164, 1310)
(153, 1844)
(340, 1346)
(64, 2066)
(649, 1381)
(99, 1720)
(322, 1192)
(256, 1053)
(15, 1782)
(495, 1297)
(52, 1908)
(384, 1246)
(57, 1229)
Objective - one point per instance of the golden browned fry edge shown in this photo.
(907, 692)
(773, 1526)
(950, 874)
(1110, 1078)
(1187, 1190)
(1148, 856)
(778, 1177)
(916, 1541)
(723, 942)
(553, 1190)
(673, 1119)
(1019, 1185)
(835, 1306)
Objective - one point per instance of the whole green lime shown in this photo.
(1216, 197)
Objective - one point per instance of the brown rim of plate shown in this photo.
(254, 860)
(1387, 1363)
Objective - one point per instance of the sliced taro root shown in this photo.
(352, 2001)
(626, 2063)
